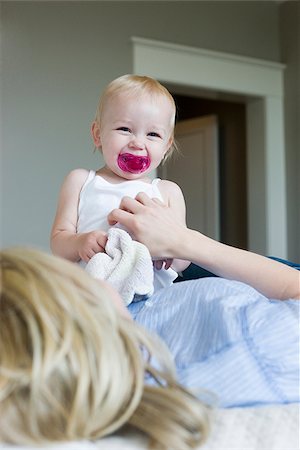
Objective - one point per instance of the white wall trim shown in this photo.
(261, 83)
(222, 71)
(204, 52)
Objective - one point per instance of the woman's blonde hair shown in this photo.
(137, 86)
(71, 367)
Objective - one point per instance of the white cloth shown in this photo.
(126, 265)
(98, 198)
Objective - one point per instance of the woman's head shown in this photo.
(71, 367)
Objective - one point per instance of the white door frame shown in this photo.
(261, 84)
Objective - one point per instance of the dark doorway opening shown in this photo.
(232, 161)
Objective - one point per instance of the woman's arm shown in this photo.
(64, 239)
(158, 227)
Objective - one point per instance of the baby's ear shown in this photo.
(170, 143)
(95, 131)
(169, 146)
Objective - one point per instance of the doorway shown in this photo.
(231, 118)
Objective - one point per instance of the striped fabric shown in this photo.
(228, 338)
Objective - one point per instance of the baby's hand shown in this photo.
(91, 243)
(160, 263)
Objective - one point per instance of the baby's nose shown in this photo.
(136, 143)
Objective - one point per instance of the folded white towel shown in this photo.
(126, 265)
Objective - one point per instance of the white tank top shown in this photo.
(98, 197)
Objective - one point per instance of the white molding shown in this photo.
(261, 84)
(240, 74)
(204, 52)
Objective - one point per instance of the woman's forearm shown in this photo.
(156, 226)
(271, 278)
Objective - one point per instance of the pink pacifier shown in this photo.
(133, 163)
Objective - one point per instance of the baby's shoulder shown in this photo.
(77, 175)
(76, 178)
(169, 188)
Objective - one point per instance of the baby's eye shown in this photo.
(154, 134)
(126, 129)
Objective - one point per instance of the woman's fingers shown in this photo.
(168, 263)
(135, 205)
(130, 206)
(145, 200)
(157, 201)
(158, 264)
(119, 215)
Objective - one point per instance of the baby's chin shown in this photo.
(133, 164)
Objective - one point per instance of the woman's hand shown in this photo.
(162, 263)
(152, 223)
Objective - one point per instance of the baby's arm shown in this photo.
(64, 240)
(173, 197)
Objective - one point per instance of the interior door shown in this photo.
(196, 171)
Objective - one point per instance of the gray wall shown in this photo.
(290, 48)
(58, 56)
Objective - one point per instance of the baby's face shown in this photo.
(135, 134)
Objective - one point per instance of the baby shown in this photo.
(134, 129)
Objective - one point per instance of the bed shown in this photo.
(274, 427)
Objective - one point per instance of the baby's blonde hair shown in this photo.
(137, 86)
(71, 367)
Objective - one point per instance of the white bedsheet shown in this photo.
(265, 428)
